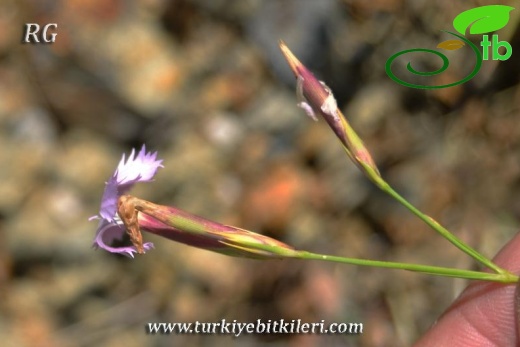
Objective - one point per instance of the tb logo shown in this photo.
(495, 45)
(477, 21)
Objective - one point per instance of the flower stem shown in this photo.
(503, 277)
(384, 186)
(279, 252)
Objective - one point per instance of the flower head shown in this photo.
(180, 226)
(137, 168)
(316, 99)
(120, 213)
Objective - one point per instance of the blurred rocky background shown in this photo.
(203, 82)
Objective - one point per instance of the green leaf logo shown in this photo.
(483, 19)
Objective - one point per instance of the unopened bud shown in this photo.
(317, 99)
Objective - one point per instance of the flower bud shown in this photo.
(316, 99)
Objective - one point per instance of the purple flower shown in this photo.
(140, 168)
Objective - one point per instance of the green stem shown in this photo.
(357, 151)
(503, 277)
(283, 252)
(384, 186)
